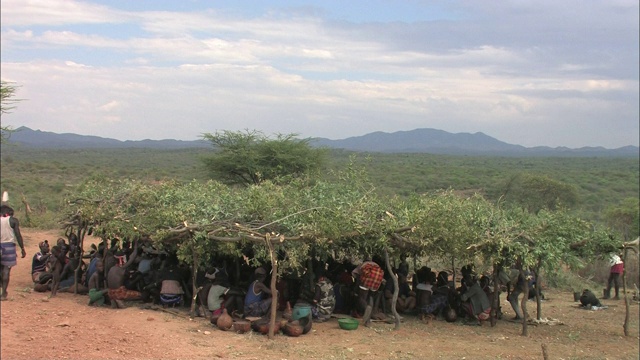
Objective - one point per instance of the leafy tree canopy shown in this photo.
(535, 192)
(344, 218)
(250, 157)
(625, 218)
(7, 101)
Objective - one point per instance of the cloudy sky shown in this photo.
(528, 72)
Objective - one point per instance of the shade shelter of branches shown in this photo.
(344, 219)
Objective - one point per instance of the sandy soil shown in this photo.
(34, 326)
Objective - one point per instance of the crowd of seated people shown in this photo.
(138, 272)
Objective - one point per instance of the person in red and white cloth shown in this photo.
(617, 268)
(368, 276)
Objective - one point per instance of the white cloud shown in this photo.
(56, 12)
(514, 72)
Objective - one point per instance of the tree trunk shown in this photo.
(624, 293)
(538, 298)
(82, 230)
(194, 275)
(107, 245)
(523, 303)
(396, 290)
(496, 296)
(545, 352)
(236, 263)
(274, 291)
(414, 278)
(453, 270)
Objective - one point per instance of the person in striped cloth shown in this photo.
(9, 237)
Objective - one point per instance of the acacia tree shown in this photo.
(625, 218)
(552, 235)
(7, 103)
(250, 157)
(535, 192)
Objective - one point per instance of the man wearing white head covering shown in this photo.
(9, 237)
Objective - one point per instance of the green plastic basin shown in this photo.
(348, 323)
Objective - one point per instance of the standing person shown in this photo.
(617, 268)
(9, 236)
(368, 277)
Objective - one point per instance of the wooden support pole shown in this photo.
(396, 290)
(495, 306)
(523, 302)
(194, 274)
(624, 292)
(274, 291)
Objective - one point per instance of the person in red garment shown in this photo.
(617, 268)
(368, 276)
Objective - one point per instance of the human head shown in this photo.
(56, 250)
(443, 278)
(432, 277)
(99, 266)
(44, 246)
(467, 270)
(260, 272)
(6, 210)
(469, 279)
(221, 279)
(73, 239)
(450, 315)
(60, 242)
(484, 281)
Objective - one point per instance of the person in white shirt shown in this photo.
(9, 237)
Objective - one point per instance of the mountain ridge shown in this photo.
(422, 140)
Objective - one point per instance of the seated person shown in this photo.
(97, 291)
(403, 267)
(215, 297)
(91, 268)
(171, 291)
(324, 301)
(115, 282)
(475, 300)
(406, 297)
(343, 293)
(64, 248)
(424, 292)
(39, 271)
(589, 299)
(67, 276)
(257, 302)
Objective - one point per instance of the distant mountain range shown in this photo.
(415, 141)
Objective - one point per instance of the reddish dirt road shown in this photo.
(34, 326)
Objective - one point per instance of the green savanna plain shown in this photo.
(43, 178)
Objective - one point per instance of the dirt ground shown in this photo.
(35, 326)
